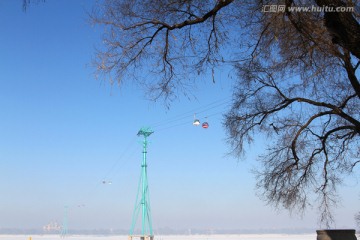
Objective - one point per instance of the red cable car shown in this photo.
(205, 125)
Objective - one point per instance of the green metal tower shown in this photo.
(142, 203)
(64, 228)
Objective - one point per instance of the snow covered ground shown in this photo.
(169, 237)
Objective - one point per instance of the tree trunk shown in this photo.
(342, 26)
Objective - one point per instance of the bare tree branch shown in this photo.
(297, 81)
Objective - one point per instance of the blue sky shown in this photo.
(62, 132)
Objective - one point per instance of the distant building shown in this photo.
(52, 227)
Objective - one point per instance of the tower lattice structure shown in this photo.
(142, 203)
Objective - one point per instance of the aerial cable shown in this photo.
(187, 114)
(159, 126)
(196, 122)
(172, 126)
(187, 122)
(117, 162)
(115, 171)
(207, 109)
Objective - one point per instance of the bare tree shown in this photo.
(297, 80)
(26, 3)
(303, 92)
(169, 40)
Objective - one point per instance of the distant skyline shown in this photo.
(163, 231)
(62, 133)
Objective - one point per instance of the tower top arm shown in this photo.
(145, 132)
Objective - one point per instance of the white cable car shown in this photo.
(196, 121)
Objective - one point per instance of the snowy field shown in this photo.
(170, 237)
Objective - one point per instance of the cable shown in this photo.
(115, 164)
(159, 127)
(188, 114)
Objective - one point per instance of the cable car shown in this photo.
(196, 121)
(205, 125)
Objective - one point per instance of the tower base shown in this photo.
(141, 237)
